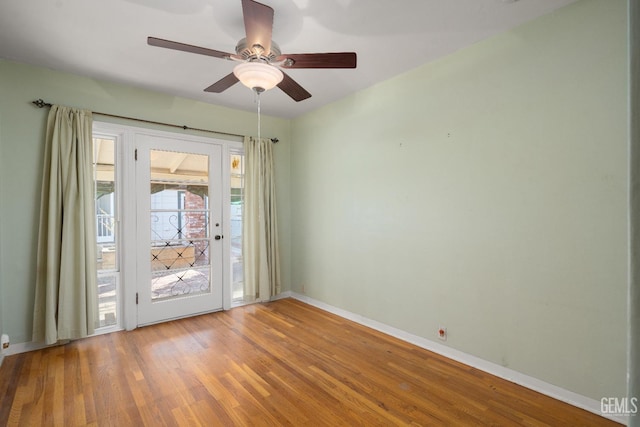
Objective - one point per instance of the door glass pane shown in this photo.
(237, 205)
(106, 230)
(180, 264)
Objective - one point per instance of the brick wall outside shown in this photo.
(196, 226)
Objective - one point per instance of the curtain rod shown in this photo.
(41, 104)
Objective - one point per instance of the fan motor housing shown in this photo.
(256, 51)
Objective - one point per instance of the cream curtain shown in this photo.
(65, 303)
(261, 256)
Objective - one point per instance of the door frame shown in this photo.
(126, 136)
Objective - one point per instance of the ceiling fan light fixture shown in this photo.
(258, 75)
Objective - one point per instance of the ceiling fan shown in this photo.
(259, 57)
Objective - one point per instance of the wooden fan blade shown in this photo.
(258, 24)
(319, 60)
(153, 41)
(293, 89)
(223, 84)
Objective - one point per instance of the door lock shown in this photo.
(218, 237)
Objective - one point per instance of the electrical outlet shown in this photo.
(442, 333)
(5, 341)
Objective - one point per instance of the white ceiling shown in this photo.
(106, 39)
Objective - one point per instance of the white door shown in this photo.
(179, 222)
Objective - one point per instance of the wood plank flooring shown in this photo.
(281, 363)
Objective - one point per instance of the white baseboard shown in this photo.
(282, 295)
(516, 377)
(24, 347)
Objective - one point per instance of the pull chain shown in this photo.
(258, 94)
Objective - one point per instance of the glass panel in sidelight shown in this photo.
(107, 263)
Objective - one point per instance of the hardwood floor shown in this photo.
(282, 363)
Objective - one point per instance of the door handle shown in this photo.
(218, 237)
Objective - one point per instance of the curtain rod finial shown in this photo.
(275, 140)
(40, 103)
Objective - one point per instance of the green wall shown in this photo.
(485, 192)
(21, 155)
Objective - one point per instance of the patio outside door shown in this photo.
(179, 223)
